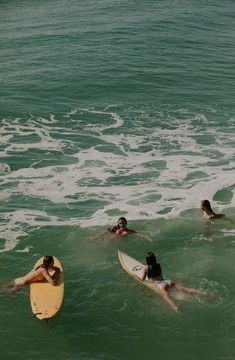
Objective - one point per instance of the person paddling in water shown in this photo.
(207, 211)
(154, 272)
(40, 273)
(121, 228)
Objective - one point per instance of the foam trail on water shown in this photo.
(95, 156)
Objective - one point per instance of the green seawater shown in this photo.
(118, 108)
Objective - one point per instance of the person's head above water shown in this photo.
(205, 205)
(208, 213)
(48, 261)
(121, 227)
(122, 222)
(151, 258)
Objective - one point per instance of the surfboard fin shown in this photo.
(35, 314)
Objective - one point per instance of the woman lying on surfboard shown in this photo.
(40, 273)
(154, 272)
(207, 211)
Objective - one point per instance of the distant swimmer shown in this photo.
(208, 213)
(154, 272)
(40, 273)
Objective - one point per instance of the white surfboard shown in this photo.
(46, 300)
(135, 268)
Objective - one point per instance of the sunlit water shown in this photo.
(115, 109)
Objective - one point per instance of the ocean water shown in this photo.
(118, 108)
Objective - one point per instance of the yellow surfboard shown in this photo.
(46, 300)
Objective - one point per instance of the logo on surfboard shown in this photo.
(137, 268)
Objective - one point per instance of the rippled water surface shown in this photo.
(115, 109)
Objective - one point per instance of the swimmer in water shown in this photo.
(207, 211)
(121, 228)
(40, 273)
(154, 272)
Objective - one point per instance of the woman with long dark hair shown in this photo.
(207, 211)
(40, 273)
(154, 272)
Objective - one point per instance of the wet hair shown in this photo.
(122, 219)
(154, 268)
(207, 205)
(47, 261)
(151, 258)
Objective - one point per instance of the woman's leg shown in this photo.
(7, 288)
(13, 287)
(182, 288)
(3, 288)
(165, 295)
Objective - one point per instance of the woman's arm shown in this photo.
(144, 274)
(48, 277)
(131, 231)
(141, 235)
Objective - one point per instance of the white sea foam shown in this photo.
(177, 168)
(4, 169)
